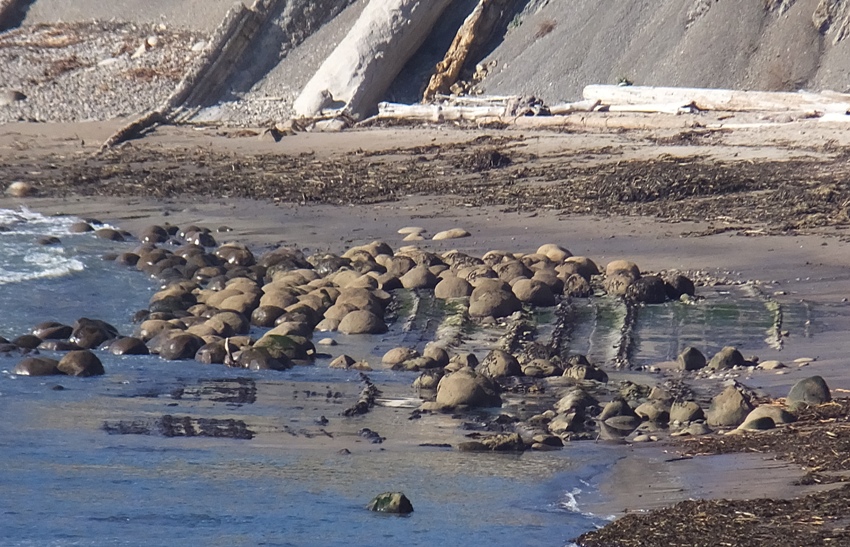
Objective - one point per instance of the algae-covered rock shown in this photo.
(391, 502)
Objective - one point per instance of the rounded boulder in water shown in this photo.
(81, 363)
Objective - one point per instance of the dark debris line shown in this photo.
(786, 195)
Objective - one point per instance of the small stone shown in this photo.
(771, 365)
(326, 342)
(411, 230)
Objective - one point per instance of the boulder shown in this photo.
(436, 353)
(51, 330)
(585, 371)
(211, 353)
(690, 359)
(576, 286)
(575, 400)
(808, 391)
(391, 502)
(362, 322)
(778, 414)
(618, 282)
(685, 411)
(499, 364)
(649, 289)
(726, 358)
(429, 379)
(679, 285)
(622, 266)
(466, 387)
(91, 333)
(452, 287)
(80, 363)
(533, 292)
(399, 355)
(37, 366)
(181, 346)
(729, 408)
(616, 407)
(259, 358)
(484, 302)
(554, 252)
(419, 277)
(127, 346)
(653, 411)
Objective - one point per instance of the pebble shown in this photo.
(771, 365)
(327, 342)
(411, 230)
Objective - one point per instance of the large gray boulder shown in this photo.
(726, 358)
(685, 411)
(690, 359)
(808, 391)
(362, 322)
(466, 387)
(499, 364)
(729, 409)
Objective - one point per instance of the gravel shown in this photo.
(73, 72)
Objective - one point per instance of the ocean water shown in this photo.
(164, 453)
(70, 478)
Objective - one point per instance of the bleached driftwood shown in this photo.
(718, 99)
(662, 108)
(475, 30)
(460, 108)
(569, 108)
(358, 72)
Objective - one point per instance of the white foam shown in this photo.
(38, 264)
(26, 222)
(569, 501)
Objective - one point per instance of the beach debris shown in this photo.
(391, 502)
(366, 400)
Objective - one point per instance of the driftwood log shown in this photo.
(718, 99)
(473, 33)
(359, 71)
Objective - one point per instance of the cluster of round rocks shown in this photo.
(212, 294)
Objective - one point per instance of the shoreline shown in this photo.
(803, 267)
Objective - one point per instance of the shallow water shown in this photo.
(110, 460)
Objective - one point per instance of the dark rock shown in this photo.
(758, 424)
(259, 358)
(577, 286)
(616, 407)
(110, 234)
(211, 353)
(647, 290)
(57, 345)
(690, 359)
(678, 285)
(587, 371)
(726, 358)
(51, 330)
(809, 391)
(37, 366)
(533, 292)
(27, 341)
(127, 346)
(81, 363)
(91, 333)
(391, 502)
(265, 316)
(181, 346)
